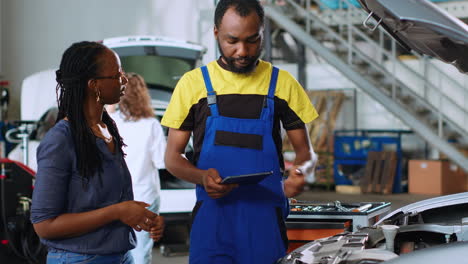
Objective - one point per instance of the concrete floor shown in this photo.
(397, 200)
(159, 259)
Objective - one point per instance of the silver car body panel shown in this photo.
(423, 27)
(421, 206)
(452, 253)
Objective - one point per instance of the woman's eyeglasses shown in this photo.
(119, 76)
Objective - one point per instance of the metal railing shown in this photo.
(445, 108)
(391, 97)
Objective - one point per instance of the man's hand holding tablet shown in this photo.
(243, 179)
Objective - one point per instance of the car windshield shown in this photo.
(160, 73)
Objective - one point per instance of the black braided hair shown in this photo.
(78, 65)
(243, 8)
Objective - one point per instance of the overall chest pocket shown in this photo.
(240, 140)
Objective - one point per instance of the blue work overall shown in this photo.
(247, 225)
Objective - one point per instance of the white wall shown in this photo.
(36, 32)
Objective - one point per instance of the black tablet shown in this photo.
(247, 178)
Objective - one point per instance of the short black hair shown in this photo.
(243, 8)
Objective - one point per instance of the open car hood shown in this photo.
(421, 206)
(423, 27)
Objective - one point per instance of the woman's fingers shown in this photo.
(137, 228)
(156, 232)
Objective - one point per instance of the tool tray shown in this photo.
(309, 208)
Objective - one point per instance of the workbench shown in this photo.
(329, 212)
(309, 221)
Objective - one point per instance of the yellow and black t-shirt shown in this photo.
(238, 96)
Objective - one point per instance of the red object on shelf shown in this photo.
(4, 83)
(299, 237)
(21, 165)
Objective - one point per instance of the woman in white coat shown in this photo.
(145, 149)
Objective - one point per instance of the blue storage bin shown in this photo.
(351, 148)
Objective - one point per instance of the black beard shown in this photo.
(231, 66)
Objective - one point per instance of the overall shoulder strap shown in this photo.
(211, 94)
(269, 102)
(273, 80)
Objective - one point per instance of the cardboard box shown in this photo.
(435, 177)
(348, 189)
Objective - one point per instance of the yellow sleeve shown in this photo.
(179, 106)
(290, 90)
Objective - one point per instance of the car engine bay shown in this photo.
(416, 227)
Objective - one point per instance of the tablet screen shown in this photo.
(252, 178)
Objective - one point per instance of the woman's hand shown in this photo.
(135, 214)
(156, 231)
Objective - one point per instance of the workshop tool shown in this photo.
(308, 168)
(309, 220)
(361, 214)
(341, 208)
(362, 208)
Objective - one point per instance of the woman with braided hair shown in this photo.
(83, 208)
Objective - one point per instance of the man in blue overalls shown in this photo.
(235, 107)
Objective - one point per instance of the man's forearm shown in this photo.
(300, 142)
(302, 157)
(183, 169)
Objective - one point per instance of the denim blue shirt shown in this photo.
(59, 189)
